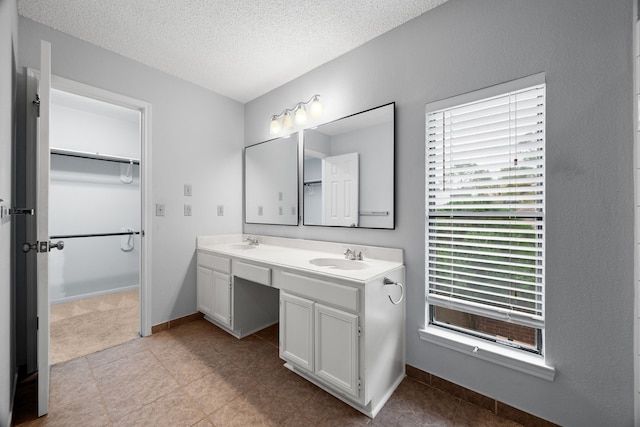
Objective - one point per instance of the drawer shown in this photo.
(320, 290)
(214, 262)
(252, 272)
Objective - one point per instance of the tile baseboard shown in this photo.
(176, 322)
(475, 398)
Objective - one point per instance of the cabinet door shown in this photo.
(204, 284)
(336, 348)
(296, 330)
(221, 310)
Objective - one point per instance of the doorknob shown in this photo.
(59, 246)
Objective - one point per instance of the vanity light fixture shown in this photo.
(299, 113)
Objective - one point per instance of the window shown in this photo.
(485, 217)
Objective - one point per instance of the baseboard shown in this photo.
(95, 294)
(475, 398)
(176, 322)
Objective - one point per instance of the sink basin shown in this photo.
(339, 263)
(241, 246)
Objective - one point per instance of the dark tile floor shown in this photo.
(198, 375)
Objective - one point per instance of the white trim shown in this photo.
(67, 85)
(94, 294)
(488, 92)
(510, 358)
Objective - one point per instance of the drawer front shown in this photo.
(320, 290)
(214, 262)
(252, 272)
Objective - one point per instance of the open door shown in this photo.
(340, 190)
(42, 225)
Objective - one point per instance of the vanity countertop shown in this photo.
(307, 255)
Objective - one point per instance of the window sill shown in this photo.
(515, 359)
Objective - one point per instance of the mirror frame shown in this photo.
(393, 165)
(295, 138)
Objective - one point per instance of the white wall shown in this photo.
(197, 138)
(8, 61)
(585, 49)
(87, 196)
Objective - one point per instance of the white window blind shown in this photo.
(485, 207)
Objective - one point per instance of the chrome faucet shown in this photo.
(351, 254)
(252, 240)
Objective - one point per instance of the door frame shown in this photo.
(75, 87)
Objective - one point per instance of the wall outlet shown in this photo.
(187, 190)
(187, 210)
(160, 209)
(260, 211)
(279, 196)
(220, 210)
(293, 210)
(279, 210)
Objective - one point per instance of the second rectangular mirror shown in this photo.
(349, 171)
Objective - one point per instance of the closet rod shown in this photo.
(74, 236)
(94, 156)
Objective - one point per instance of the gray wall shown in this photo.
(585, 49)
(8, 62)
(197, 138)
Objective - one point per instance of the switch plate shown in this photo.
(220, 210)
(293, 210)
(187, 190)
(260, 210)
(187, 210)
(279, 210)
(160, 209)
(279, 196)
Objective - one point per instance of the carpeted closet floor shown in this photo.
(82, 327)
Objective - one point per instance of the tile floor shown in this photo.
(198, 375)
(80, 327)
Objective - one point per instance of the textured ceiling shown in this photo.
(237, 48)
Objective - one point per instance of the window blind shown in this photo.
(485, 207)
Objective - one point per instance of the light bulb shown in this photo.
(287, 121)
(316, 107)
(275, 125)
(301, 115)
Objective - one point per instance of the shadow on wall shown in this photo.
(186, 291)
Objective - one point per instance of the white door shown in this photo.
(42, 225)
(221, 310)
(204, 290)
(296, 330)
(340, 190)
(337, 348)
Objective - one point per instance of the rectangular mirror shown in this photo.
(349, 171)
(271, 182)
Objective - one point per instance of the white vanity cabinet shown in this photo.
(235, 294)
(341, 321)
(345, 336)
(214, 287)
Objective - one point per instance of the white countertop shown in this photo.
(297, 253)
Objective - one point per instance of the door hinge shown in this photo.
(37, 104)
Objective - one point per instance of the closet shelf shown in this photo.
(95, 156)
(313, 181)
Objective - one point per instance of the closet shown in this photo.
(95, 209)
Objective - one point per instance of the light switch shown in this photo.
(279, 210)
(260, 210)
(220, 210)
(160, 209)
(279, 196)
(187, 210)
(187, 189)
